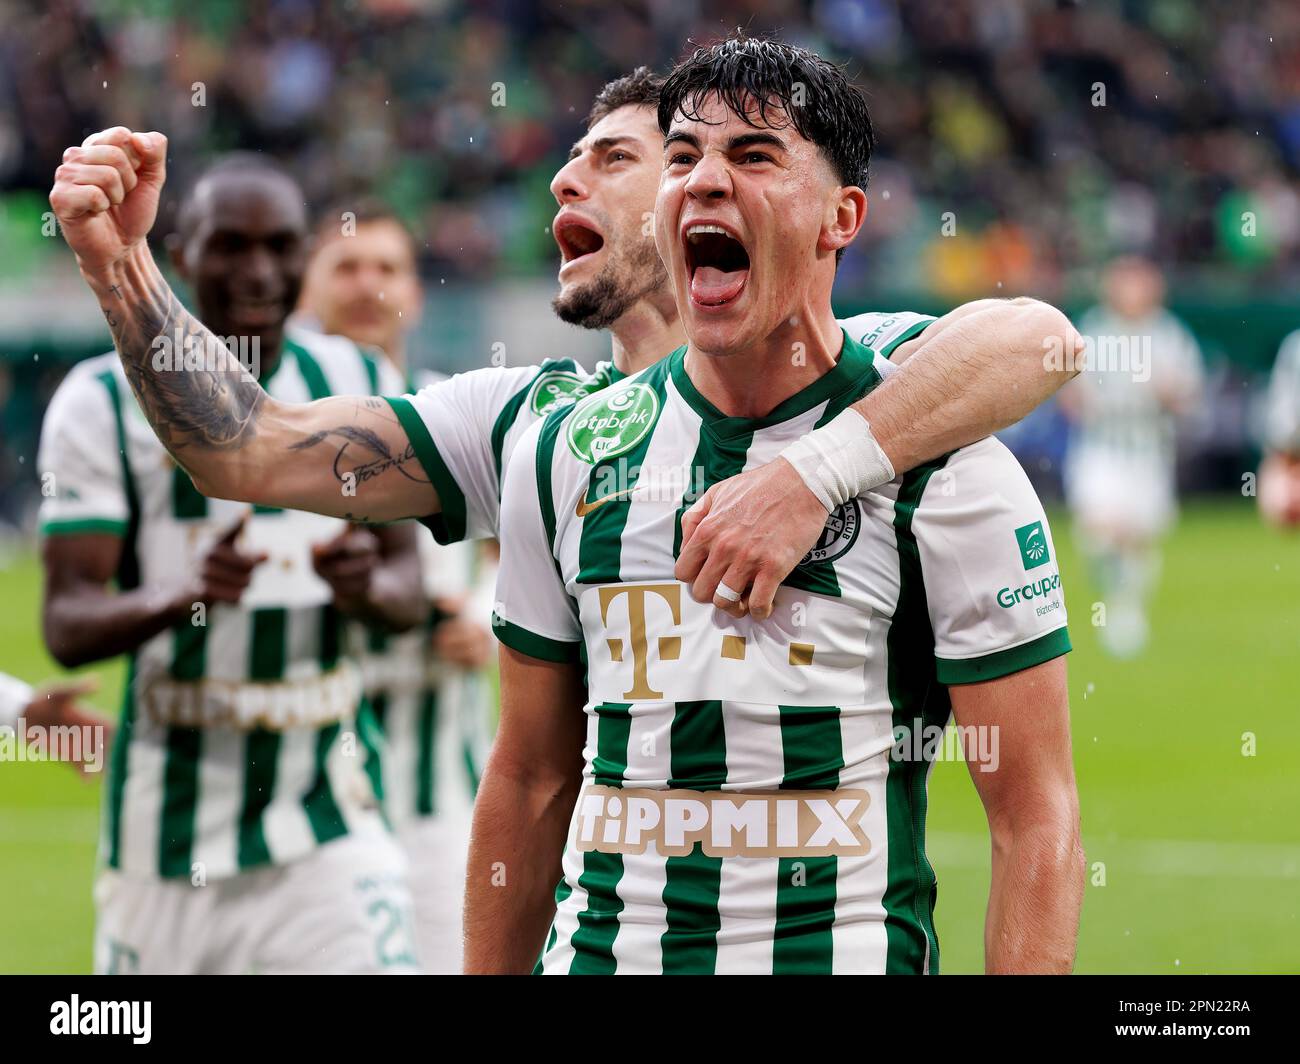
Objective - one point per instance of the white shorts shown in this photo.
(343, 908)
(1134, 497)
(437, 847)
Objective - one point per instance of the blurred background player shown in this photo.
(240, 832)
(1142, 372)
(362, 281)
(429, 688)
(1279, 475)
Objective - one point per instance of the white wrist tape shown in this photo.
(14, 698)
(840, 460)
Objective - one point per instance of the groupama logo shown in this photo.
(1010, 596)
(1033, 545)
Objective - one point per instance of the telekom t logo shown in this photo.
(670, 647)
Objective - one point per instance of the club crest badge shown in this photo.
(557, 388)
(842, 527)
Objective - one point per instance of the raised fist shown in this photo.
(105, 195)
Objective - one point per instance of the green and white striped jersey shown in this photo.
(436, 718)
(465, 428)
(1133, 370)
(239, 744)
(1283, 417)
(742, 810)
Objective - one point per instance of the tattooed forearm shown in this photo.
(193, 391)
(234, 440)
(358, 441)
(369, 470)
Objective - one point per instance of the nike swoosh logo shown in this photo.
(584, 507)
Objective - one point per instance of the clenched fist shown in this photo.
(105, 195)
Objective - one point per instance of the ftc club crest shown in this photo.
(556, 389)
(842, 526)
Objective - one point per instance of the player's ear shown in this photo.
(845, 213)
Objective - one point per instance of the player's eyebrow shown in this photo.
(740, 140)
(680, 136)
(745, 140)
(599, 144)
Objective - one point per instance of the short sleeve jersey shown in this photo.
(745, 805)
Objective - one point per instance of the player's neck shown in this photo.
(754, 382)
(648, 331)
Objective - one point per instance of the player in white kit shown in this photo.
(240, 831)
(982, 370)
(428, 688)
(1143, 370)
(730, 800)
(1279, 476)
(977, 369)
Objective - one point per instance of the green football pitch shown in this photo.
(1192, 835)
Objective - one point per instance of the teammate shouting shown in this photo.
(965, 377)
(975, 370)
(728, 802)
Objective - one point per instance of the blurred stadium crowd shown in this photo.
(1056, 134)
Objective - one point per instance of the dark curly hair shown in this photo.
(769, 82)
(640, 88)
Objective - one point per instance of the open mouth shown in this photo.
(576, 240)
(718, 265)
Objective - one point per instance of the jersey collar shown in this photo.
(854, 363)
